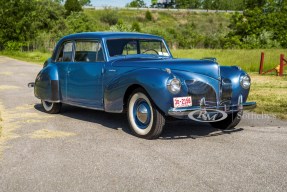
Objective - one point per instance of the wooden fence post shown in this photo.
(261, 63)
(281, 65)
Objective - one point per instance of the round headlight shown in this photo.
(245, 81)
(174, 86)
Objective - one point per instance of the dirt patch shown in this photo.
(6, 73)
(0, 124)
(14, 118)
(48, 134)
(8, 87)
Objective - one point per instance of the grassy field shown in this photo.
(270, 94)
(246, 59)
(35, 57)
(203, 23)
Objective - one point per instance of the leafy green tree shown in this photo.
(251, 4)
(207, 4)
(148, 15)
(85, 2)
(136, 27)
(256, 28)
(17, 19)
(136, 3)
(72, 6)
(110, 17)
(22, 21)
(189, 4)
(78, 22)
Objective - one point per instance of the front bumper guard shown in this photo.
(240, 106)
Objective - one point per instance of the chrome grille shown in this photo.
(198, 90)
(226, 90)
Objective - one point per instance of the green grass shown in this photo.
(270, 94)
(246, 59)
(35, 57)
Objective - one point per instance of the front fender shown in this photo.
(47, 84)
(153, 80)
(233, 73)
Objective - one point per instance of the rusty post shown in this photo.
(261, 63)
(281, 65)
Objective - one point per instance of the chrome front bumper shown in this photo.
(183, 112)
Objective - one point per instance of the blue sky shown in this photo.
(114, 3)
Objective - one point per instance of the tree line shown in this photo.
(210, 4)
(31, 24)
(24, 21)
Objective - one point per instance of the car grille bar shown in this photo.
(197, 90)
(226, 91)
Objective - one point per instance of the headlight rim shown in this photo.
(170, 88)
(241, 80)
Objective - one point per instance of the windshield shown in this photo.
(123, 47)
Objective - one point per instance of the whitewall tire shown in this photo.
(145, 120)
(51, 107)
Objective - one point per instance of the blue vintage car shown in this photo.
(136, 74)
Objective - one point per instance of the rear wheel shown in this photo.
(230, 122)
(51, 107)
(145, 120)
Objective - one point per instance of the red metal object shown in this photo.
(261, 63)
(281, 65)
(279, 69)
(269, 71)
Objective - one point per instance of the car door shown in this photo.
(63, 60)
(84, 86)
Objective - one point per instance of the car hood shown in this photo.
(205, 67)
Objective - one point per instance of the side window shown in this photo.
(68, 50)
(88, 51)
(65, 53)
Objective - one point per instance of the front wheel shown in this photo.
(145, 120)
(51, 107)
(230, 122)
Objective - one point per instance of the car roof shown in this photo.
(110, 35)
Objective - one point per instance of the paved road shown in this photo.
(86, 150)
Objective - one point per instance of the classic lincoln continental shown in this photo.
(136, 74)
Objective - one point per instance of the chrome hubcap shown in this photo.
(142, 113)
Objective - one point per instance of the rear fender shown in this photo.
(47, 84)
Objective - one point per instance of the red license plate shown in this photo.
(182, 102)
